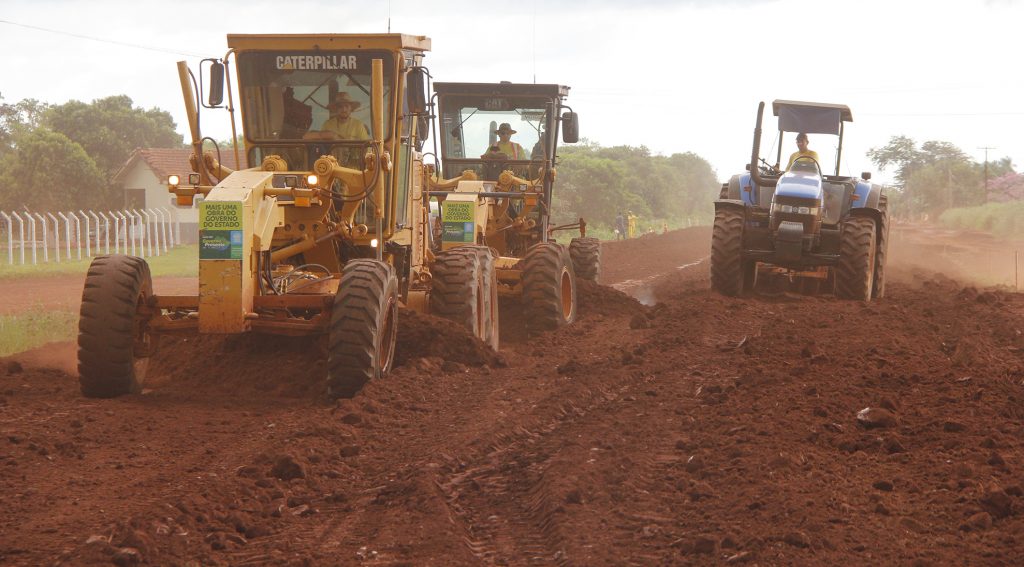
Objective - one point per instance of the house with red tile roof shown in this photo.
(144, 178)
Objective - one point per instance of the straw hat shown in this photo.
(343, 98)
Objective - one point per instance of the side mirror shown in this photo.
(416, 91)
(570, 127)
(866, 175)
(746, 166)
(216, 96)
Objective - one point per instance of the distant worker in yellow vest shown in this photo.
(631, 224)
(341, 125)
(505, 144)
(801, 144)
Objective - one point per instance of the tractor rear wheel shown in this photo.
(364, 325)
(586, 257)
(549, 287)
(729, 272)
(465, 290)
(878, 292)
(114, 344)
(855, 272)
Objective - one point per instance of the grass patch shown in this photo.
(1002, 219)
(179, 261)
(30, 329)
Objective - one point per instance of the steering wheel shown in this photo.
(810, 159)
(769, 169)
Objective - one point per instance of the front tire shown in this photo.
(855, 272)
(465, 290)
(364, 325)
(586, 258)
(114, 344)
(729, 273)
(549, 287)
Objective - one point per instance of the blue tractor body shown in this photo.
(821, 231)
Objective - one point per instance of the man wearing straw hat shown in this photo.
(507, 146)
(341, 125)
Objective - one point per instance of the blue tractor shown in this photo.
(802, 227)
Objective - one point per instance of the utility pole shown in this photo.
(986, 148)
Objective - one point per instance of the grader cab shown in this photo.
(498, 146)
(324, 235)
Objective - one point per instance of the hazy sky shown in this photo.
(675, 76)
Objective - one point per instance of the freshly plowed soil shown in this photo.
(669, 426)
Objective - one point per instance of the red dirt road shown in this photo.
(698, 430)
(65, 292)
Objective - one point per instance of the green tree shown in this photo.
(16, 119)
(929, 179)
(109, 129)
(48, 171)
(597, 183)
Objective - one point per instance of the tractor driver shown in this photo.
(801, 144)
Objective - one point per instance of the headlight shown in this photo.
(311, 180)
(795, 209)
(173, 180)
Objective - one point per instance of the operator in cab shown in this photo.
(341, 125)
(506, 145)
(801, 144)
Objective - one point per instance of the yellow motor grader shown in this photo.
(325, 233)
(498, 142)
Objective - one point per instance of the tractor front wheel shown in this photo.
(364, 325)
(549, 287)
(114, 344)
(855, 272)
(586, 257)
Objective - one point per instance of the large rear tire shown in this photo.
(855, 272)
(878, 291)
(465, 290)
(586, 258)
(729, 273)
(549, 287)
(364, 326)
(114, 344)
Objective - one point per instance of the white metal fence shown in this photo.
(32, 237)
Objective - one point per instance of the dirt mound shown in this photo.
(267, 365)
(596, 299)
(427, 336)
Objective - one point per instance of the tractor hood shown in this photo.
(799, 184)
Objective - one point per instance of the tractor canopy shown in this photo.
(811, 117)
(820, 118)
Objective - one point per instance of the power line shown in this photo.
(101, 40)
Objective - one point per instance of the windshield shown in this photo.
(321, 96)
(479, 131)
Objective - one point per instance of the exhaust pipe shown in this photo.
(755, 173)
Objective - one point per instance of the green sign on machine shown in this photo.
(458, 219)
(220, 230)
